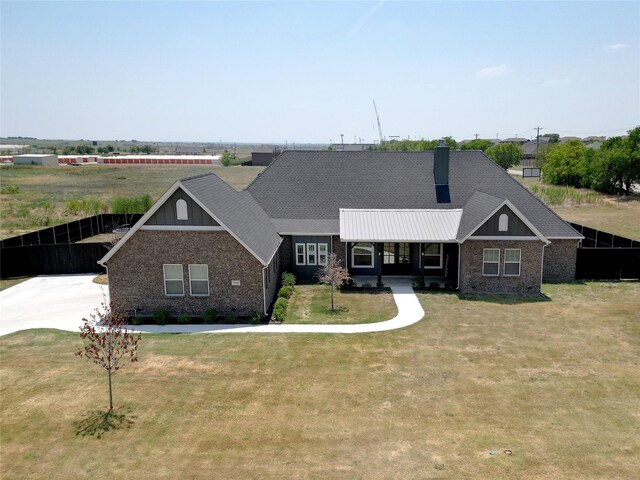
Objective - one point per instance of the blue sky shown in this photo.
(307, 72)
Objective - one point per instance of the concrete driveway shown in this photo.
(59, 301)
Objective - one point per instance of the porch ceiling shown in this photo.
(399, 225)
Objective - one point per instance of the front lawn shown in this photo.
(311, 304)
(555, 382)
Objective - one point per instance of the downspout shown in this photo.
(264, 292)
(542, 266)
(459, 264)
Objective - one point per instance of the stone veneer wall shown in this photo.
(528, 283)
(560, 259)
(136, 278)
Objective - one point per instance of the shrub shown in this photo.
(139, 204)
(280, 309)
(418, 282)
(210, 315)
(367, 285)
(285, 291)
(227, 158)
(161, 316)
(136, 320)
(349, 284)
(434, 286)
(255, 317)
(231, 319)
(288, 279)
(184, 319)
(10, 189)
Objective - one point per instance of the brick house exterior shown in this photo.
(451, 217)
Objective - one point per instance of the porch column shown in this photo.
(379, 249)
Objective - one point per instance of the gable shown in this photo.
(516, 227)
(167, 215)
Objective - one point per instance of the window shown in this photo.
(503, 223)
(404, 253)
(323, 250)
(199, 280)
(512, 262)
(491, 262)
(181, 210)
(311, 254)
(173, 280)
(362, 255)
(432, 255)
(389, 254)
(300, 260)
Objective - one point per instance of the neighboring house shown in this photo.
(452, 217)
(519, 141)
(264, 155)
(530, 149)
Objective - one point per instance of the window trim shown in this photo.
(519, 263)
(441, 255)
(164, 275)
(326, 253)
(310, 247)
(370, 247)
(182, 208)
(485, 262)
(198, 280)
(304, 254)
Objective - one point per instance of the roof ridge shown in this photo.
(193, 177)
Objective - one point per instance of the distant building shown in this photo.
(519, 141)
(36, 159)
(190, 150)
(13, 149)
(264, 155)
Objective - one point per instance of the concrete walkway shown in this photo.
(62, 301)
(409, 312)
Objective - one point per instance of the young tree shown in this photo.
(107, 342)
(333, 274)
(477, 144)
(227, 158)
(505, 154)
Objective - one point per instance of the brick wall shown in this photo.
(528, 283)
(560, 260)
(136, 276)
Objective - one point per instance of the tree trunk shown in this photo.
(332, 297)
(110, 394)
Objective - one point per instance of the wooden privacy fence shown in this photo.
(54, 250)
(605, 256)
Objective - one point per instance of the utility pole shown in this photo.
(538, 139)
(342, 140)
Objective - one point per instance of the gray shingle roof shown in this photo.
(306, 226)
(237, 211)
(316, 184)
(477, 209)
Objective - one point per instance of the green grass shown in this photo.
(53, 195)
(554, 381)
(311, 304)
(10, 282)
(554, 195)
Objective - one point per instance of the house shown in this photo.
(264, 155)
(450, 216)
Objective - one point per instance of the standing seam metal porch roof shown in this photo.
(399, 225)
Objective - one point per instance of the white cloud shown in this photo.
(556, 82)
(493, 72)
(617, 46)
(363, 19)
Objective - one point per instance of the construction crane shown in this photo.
(378, 119)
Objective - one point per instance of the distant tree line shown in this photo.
(612, 168)
(89, 150)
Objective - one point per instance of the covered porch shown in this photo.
(383, 243)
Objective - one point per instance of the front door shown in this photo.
(396, 259)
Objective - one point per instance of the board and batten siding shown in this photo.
(516, 227)
(307, 272)
(166, 214)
